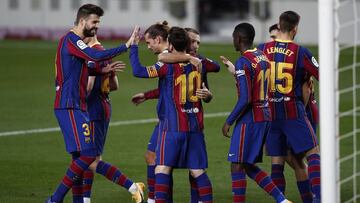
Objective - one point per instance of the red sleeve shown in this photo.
(152, 94)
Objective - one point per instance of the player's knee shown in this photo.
(150, 158)
(162, 169)
(314, 150)
(196, 172)
(95, 163)
(237, 167)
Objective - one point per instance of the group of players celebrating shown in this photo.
(275, 102)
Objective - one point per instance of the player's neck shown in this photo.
(78, 31)
(284, 36)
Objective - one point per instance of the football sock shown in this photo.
(204, 188)
(305, 191)
(238, 186)
(151, 181)
(194, 194)
(265, 182)
(162, 183)
(113, 174)
(277, 176)
(314, 174)
(76, 169)
(88, 178)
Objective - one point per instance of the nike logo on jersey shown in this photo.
(230, 155)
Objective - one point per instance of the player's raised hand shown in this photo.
(230, 66)
(204, 93)
(132, 37)
(138, 98)
(117, 66)
(225, 130)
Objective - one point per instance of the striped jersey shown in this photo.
(98, 100)
(72, 72)
(290, 63)
(178, 84)
(251, 75)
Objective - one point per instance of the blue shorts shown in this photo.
(153, 139)
(182, 150)
(99, 130)
(75, 127)
(247, 142)
(296, 134)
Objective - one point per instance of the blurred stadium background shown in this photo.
(32, 153)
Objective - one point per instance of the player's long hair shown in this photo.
(179, 38)
(288, 21)
(86, 10)
(158, 29)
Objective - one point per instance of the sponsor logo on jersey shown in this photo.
(313, 60)
(239, 73)
(81, 44)
(191, 110)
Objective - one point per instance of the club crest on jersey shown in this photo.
(81, 44)
(239, 73)
(313, 60)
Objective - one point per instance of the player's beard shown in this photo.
(90, 32)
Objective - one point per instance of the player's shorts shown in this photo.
(298, 134)
(99, 130)
(247, 142)
(153, 139)
(182, 150)
(75, 127)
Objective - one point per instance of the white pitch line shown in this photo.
(115, 123)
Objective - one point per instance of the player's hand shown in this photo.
(204, 93)
(196, 62)
(225, 130)
(230, 66)
(117, 66)
(138, 98)
(131, 40)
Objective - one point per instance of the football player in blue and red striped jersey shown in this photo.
(181, 143)
(70, 101)
(278, 162)
(203, 93)
(156, 40)
(99, 86)
(290, 64)
(251, 115)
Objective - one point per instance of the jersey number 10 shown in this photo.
(188, 86)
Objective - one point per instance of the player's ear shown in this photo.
(158, 39)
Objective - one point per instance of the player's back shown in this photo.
(289, 65)
(255, 70)
(183, 109)
(71, 76)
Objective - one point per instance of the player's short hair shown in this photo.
(288, 21)
(179, 38)
(86, 10)
(246, 32)
(158, 29)
(273, 27)
(193, 30)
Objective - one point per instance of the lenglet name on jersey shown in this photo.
(281, 50)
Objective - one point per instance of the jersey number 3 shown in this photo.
(188, 86)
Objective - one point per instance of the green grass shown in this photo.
(31, 166)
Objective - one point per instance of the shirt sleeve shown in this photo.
(310, 64)
(209, 65)
(157, 70)
(78, 48)
(243, 78)
(152, 94)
